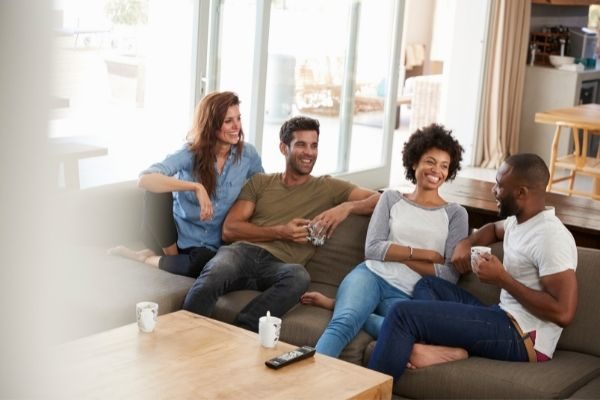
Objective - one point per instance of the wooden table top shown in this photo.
(577, 213)
(585, 115)
(193, 357)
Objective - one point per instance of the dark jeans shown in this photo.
(443, 314)
(244, 266)
(159, 231)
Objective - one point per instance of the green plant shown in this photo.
(127, 12)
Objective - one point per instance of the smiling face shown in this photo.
(505, 192)
(301, 154)
(229, 133)
(432, 169)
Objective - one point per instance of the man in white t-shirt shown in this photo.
(537, 280)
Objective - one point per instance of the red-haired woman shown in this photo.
(189, 193)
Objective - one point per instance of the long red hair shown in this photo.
(208, 119)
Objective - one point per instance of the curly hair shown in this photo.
(432, 136)
(294, 124)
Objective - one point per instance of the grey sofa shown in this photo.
(111, 215)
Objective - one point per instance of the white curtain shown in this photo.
(503, 82)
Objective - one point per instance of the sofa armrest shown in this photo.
(103, 215)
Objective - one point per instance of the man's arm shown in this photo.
(237, 226)
(360, 201)
(556, 302)
(486, 235)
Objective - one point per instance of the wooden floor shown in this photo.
(580, 215)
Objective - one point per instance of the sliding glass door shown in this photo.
(332, 60)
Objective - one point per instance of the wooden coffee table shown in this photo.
(193, 357)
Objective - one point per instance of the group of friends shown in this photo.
(214, 191)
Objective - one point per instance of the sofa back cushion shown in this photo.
(341, 253)
(104, 215)
(581, 334)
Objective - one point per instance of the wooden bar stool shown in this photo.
(585, 117)
(577, 162)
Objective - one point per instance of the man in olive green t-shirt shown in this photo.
(268, 225)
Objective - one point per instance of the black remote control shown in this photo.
(290, 357)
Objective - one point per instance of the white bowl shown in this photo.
(557, 61)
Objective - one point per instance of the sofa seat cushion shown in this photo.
(484, 378)
(590, 391)
(302, 325)
(100, 291)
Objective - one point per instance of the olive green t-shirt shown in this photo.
(276, 203)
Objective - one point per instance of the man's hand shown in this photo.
(206, 208)
(489, 269)
(331, 218)
(461, 258)
(296, 230)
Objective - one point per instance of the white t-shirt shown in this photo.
(540, 246)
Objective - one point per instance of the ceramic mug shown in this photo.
(146, 315)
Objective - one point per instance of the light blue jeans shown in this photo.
(360, 294)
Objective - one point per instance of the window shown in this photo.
(318, 59)
(122, 83)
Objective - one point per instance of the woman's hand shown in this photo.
(433, 256)
(206, 208)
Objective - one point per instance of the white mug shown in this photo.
(476, 251)
(146, 315)
(268, 331)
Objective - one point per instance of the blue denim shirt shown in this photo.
(191, 231)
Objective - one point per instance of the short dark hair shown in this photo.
(294, 124)
(432, 136)
(530, 168)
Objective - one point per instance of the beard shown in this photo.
(508, 207)
(300, 168)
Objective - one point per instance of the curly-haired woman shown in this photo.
(189, 193)
(409, 236)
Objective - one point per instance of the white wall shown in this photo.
(418, 26)
(25, 51)
(463, 70)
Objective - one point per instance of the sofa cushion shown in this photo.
(483, 378)
(580, 334)
(590, 391)
(104, 215)
(302, 325)
(99, 292)
(341, 253)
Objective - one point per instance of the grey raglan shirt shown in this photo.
(398, 220)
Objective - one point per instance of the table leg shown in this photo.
(553, 155)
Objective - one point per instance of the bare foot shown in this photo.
(424, 355)
(126, 252)
(317, 299)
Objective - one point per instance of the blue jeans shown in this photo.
(444, 314)
(361, 293)
(243, 266)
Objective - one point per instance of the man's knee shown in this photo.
(400, 311)
(426, 282)
(298, 276)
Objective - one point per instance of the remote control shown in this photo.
(290, 357)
